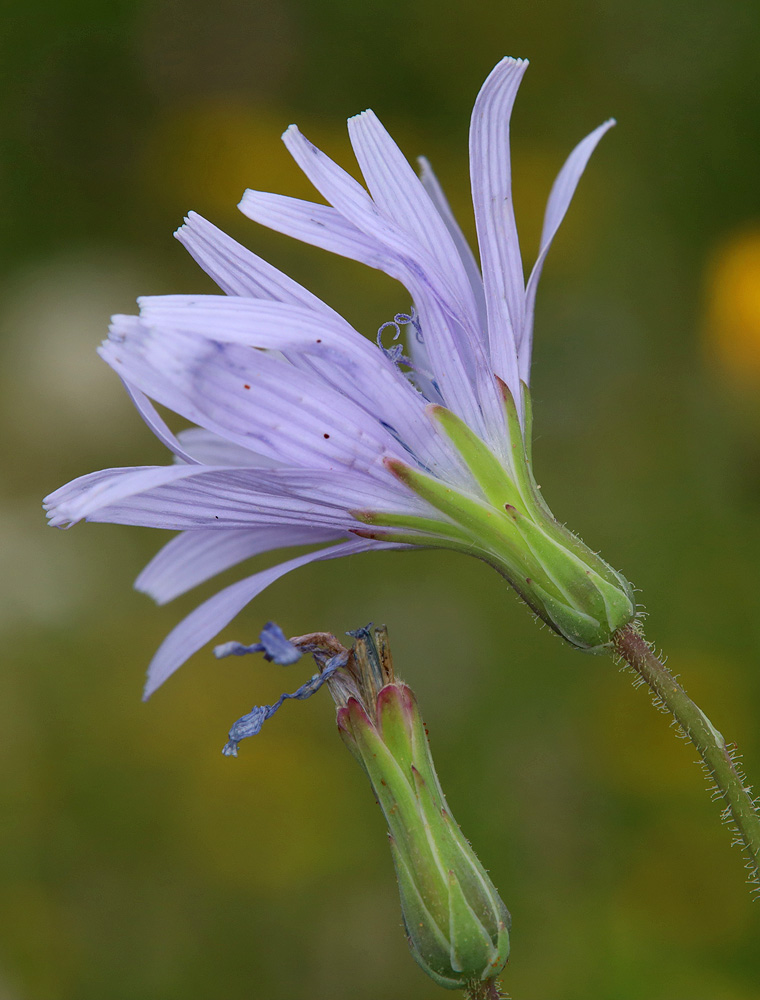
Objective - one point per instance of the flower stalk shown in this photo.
(718, 757)
(488, 990)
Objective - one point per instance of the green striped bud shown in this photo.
(456, 924)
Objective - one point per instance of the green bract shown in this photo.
(456, 923)
(509, 525)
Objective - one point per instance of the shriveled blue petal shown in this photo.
(273, 643)
(196, 555)
(248, 725)
(560, 197)
(491, 177)
(233, 648)
(210, 618)
(277, 648)
(251, 723)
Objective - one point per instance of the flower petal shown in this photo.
(208, 448)
(151, 416)
(273, 643)
(210, 618)
(449, 321)
(237, 270)
(451, 325)
(491, 178)
(77, 499)
(324, 227)
(185, 497)
(401, 197)
(560, 197)
(329, 346)
(250, 724)
(432, 185)
(249, 397)
(318, 225)
(193, 557)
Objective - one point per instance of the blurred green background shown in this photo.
(136, 863)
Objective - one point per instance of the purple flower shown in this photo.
(304, 426)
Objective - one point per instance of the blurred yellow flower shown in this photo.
(215, 149)
(733, 307)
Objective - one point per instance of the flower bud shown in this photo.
(456, 924)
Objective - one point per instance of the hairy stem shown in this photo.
(741, 811)
(488, 990)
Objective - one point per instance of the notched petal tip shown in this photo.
(508, 61)
(248, 195)
(367, 113)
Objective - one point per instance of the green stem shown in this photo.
(719, 759)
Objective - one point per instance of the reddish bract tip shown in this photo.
(397, 468)
(355, 715)
(366, 533)
(433, 409)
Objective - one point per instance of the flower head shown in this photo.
(309, 433)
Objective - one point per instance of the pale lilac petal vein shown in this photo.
(77, 499)
(208, 448)
(400, 195)
(491, 179)
(286, 414)
(193, 557)
(55, 503)
(154, 421)
(207, 620)
(353, 202)
(403, 200)
(237, 270)
(493, 412)
(348, 362)
(460, 380)
(318, 225)
(433, 187)
(452, 328)
(560, 197)
(181, 497)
